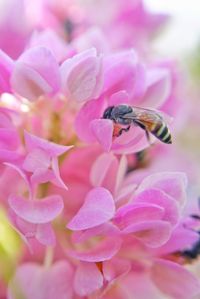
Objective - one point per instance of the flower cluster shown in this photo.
(92, 214)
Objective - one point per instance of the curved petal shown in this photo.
(90, 111)
(158, 87)
(103, 131)
(151, 233)
(36, 72)
(133, 213)
(81, 76)
(51, 148)
(174, 280)
(37, 211)
(104, 251)
(98, 208)
(87, 279)
(45, 234)
(163, 200)
(172, 183)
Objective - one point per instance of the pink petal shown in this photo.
(152, 233)
(118, 98)
(87, 279)
(132, 214)
(181, 239)
(101, 252)
(91, 110)
(37, 211)
(81, 76)
(100, 168)
(22, 173)
(42, 175)
(115, 268)
(9, 138)
(103, 230)
(36, 281)
(160, 198)
(174, 280)
(120, 73)
(59, 281)
(93, 37)
(6, 66)
(103, 131)
(24, 282)
(49, 39)
(36, 73)
(139, 284)
(37, 158)
(51, 148)
(172, 183)
(45, 234)
(158, 87)
(98, 208)
(57, 180)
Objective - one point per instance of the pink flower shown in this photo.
(40, 164)
(126, 81)
(32, 218)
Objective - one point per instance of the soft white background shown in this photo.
(183, 33)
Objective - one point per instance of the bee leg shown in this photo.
(123, 130)
(148, 136)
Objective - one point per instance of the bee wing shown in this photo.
(148, 116)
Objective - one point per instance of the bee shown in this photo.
(149, 120)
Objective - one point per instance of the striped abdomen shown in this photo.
(161, 131)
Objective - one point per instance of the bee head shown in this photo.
(108, 112)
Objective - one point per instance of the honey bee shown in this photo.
(149, 120)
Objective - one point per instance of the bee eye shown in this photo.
(107, 113)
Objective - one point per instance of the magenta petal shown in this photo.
(151, 233)
(103, 131)
(97, 209)
(51, 148)
(37, 158)
(6, 66)
(160, 198)
(42, 175)
(90, 111)
(87, 279)
(36, 73)
(57, 180)
(102, 252)
(174, 280)
(45, 234)
(172, 183)
(37, 211)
